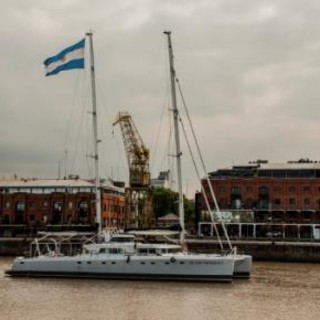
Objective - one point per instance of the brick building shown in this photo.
(34, 203)
(275, 194)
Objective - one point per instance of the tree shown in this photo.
(165, 201)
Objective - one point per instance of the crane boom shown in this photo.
(139, 193)
(136, 152)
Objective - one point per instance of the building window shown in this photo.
(70, 205)
(292, 189)
(263, 190)
(6, 205)
(235, 190)
(277, 201)
(20, 207)
(292, 201)
(57, 207)
(306, 189)
(307, 201)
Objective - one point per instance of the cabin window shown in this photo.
(103, 262)
(79, 262)
(114, 251)
(143, 251)
(88, 262)
(113, 262)
(142, 262)
(152, 262)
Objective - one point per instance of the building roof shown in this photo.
(169, 216)
(290, 166)
(303, 168)
(39, 183)
(55, 183)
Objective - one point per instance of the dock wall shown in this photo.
(264, 250)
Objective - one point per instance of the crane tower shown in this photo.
(138, 194)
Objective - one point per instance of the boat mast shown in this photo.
(95, 133)
(176, 134)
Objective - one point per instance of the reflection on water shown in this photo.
(276, 291)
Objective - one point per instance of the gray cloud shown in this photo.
(249, 72)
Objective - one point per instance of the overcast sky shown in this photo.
(249, 72)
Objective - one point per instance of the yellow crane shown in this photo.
(139, 193)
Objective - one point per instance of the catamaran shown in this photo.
(130, 260)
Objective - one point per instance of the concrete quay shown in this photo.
(264, 250)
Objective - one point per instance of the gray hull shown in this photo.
(242, 266)
(174, 267)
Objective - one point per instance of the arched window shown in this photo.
(235, 190)
(263, 190)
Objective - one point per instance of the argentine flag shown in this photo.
(69, 58)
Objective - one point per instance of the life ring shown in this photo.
(172, 259)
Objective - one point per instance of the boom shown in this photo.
(139, 193)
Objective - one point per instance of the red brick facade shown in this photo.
(45, 206)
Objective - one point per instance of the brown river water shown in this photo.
(275, 291)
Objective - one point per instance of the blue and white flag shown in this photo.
(69, 58)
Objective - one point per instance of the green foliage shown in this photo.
(165, 201)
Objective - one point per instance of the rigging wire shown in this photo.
(198, 176)
(109, 131)
(69, 124)
(205, 171)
